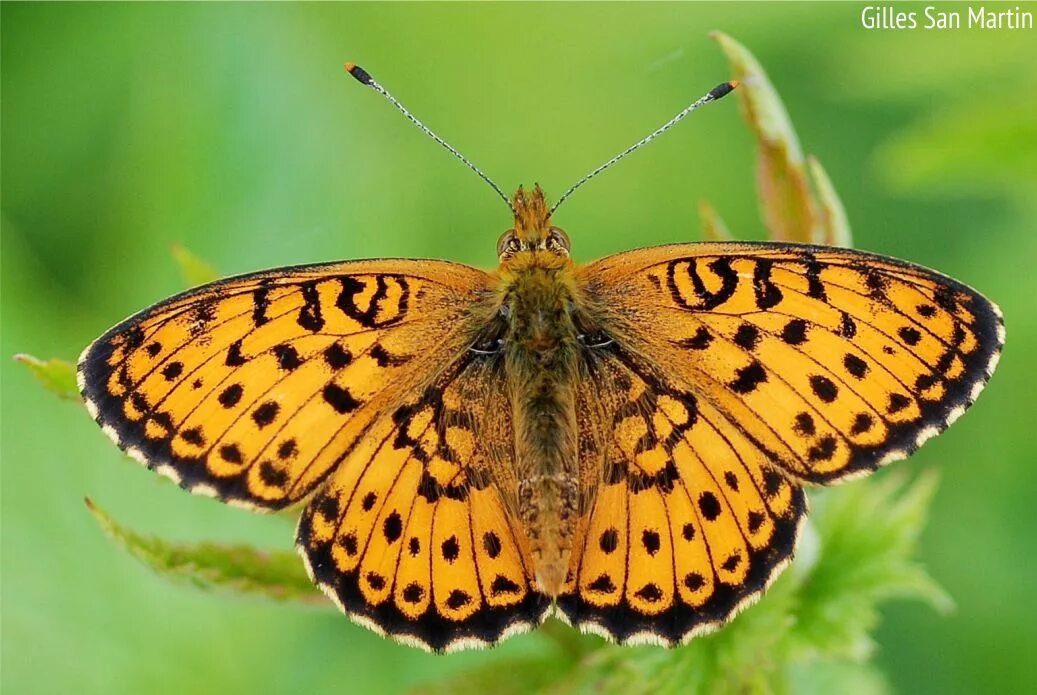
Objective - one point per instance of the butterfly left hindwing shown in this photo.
(412, 534)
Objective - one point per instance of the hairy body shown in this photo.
(537, 297)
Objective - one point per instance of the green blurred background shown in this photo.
(232, 129)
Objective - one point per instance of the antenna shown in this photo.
(717, 92)
(363, 77)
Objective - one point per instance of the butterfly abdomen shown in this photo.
(541, 357)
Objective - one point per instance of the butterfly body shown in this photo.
(539, 298)
(624, 442)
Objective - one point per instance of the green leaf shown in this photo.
(193, 270)
(57, 376)
(834, 224)
(713, 226)
(503, 677)
(788, 206)
(868, 533)
(276, 574)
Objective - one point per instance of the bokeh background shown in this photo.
(232, 129)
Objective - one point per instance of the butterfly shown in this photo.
(624, 444)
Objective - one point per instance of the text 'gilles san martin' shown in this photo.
(971, 17)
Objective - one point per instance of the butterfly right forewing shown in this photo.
(833, 361)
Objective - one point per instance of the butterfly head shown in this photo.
(532, 230)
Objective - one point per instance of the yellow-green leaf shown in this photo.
(57, 376)
(193, 269)
(784, 189)
(835, 227)
(274, 574)
(713, 226)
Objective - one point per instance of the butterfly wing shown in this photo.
(690, 520)
(833, 361)
(737, 372)
(412, 536)
(252, 389)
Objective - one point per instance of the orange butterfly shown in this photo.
(624, 443)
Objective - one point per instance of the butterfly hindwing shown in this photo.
(690, 521)
(832, 361)
(251, 389)
(411, 534)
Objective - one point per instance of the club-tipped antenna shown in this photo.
(363, 77)
(717, 92)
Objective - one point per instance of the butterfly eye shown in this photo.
(508, 244)
(488, 346)
(558, 241)
(595, 339)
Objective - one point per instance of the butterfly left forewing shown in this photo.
(251, 389)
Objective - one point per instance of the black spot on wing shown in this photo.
(699, 341)
(748, 378)
(260, 303)
(794, 332)
(234, 357)
(768, 294)
(310, 316)
(340, 398)
(747, 336)
(815, 288)
(287, 357)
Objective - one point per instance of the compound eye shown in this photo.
(508, 244)
(595, 339)
(558, 241)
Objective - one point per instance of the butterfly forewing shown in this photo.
(253, 388)
(832, 361)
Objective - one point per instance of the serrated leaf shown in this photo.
(57, 376)
(786, 200)
(713, 226)
(868, 538)
(274, 574)
(193, 269)
(835, 227)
